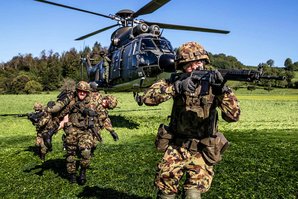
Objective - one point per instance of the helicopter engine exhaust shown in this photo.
(167, 63)
(141, 28)
(154, 29)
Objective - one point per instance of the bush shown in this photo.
(18, 84)
(32, 87)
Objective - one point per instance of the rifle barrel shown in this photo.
(15, 114)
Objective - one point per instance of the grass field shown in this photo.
(262, 161)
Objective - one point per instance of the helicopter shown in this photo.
(138, 54)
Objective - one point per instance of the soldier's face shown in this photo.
(82, 94)
(188, 68)
(194, 65)
(198, 65)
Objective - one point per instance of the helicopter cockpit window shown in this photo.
(163, 45)
(147, 44)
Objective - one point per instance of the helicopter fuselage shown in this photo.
(136, 57)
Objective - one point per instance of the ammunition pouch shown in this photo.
(163, 138)
(211, 148)
(200, 101)
(214, 147)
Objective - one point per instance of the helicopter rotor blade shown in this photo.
(150, 7)
(190, 28)
(73, 8)
(96, 32)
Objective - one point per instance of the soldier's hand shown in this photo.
(185, 85)
(50, 104)
(114, 135)
(217, 83)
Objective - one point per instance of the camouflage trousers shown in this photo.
(107, 124)
(176, 162)
(40, 143)
(78, 145)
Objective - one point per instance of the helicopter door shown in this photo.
(116, 65)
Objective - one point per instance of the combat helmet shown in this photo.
(190, 51)
(112, 101)
(83, 86)
(37, 106)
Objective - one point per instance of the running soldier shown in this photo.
(102, 121)
(79, 130)
(191, 142)
(46, 124)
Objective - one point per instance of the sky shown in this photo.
(260, 29)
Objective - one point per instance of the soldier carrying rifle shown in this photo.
(191, 141)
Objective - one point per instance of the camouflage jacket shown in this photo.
(189, 118)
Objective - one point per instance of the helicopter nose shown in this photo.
(166, 62)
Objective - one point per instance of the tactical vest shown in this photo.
(76, 113)
(194, 115)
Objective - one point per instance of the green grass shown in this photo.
(262, 161)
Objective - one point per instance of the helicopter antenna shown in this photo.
(82, 62)
(161, 31)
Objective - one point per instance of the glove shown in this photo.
(50, 104)
(217, 83)
(185, 85)
(114, 135)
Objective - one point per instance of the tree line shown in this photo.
(28, 74)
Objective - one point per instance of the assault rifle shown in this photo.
(34, 117)
(227, 74)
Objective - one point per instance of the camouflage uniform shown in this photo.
(103, 121)
(111, 104)
(191, 133)
(79, 136)
(44, 125)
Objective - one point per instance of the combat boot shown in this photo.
(72, 178)
(192, 194)
(161, 195)
(82, 178)
(42, 156)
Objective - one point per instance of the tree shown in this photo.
(288, 62)
(270, 62)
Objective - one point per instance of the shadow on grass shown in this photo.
(120, 121)
(56, 165)
(106, 193)
(33, 149)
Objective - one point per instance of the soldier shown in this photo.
(191, 142)
(109, 102)
(106, 65)
(44, 125)
(79, 130)
(102, 121)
